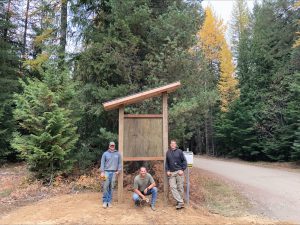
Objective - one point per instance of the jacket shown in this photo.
(111, 161)
(175, 160)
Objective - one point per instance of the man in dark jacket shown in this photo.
(175, 165)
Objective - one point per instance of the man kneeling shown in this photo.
(144, 184)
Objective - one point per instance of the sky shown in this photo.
(223, 9)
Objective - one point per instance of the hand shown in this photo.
(102, 175)
(168, 173)
(117, 172)
(145, 191)
(180, 172)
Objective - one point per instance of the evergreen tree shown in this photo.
(273, 37)
(47, 131)
(41, 44)
(296, 145)
(239, 23)
(297, 6)
(227, 84)
(293, 117)
(129, 46)
(235, 135)
(265, 71)
(8, 80)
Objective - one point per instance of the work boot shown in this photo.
(144, 201)
(137, 203)
(104, 205)
(180, 205)
(153, 207)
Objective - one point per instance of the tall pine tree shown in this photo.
(266, 70)
(129, 46)
(8, 79)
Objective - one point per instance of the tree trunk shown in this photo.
(25, 29)
(212, 132)
(7, 19)
(199, 141)
(206, 126)
(63, 29)
(206, 135)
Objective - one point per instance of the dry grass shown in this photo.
(209, 196)
(18, 187)
(6, 192)
(85, 208)
(207, 191)
(217, 196)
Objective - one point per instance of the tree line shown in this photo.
(61, 59)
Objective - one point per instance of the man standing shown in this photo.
(144, 184)
(175, 165)
(111, 165)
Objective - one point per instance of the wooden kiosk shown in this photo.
(143, 137)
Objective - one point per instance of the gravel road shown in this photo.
(273, 192)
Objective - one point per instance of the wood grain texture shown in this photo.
(121, 148)
(143, 115)
(131, 99)
(160, 158)
(143, 137)
(165, 143)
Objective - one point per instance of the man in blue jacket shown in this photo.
(111, 165)
(175, 165)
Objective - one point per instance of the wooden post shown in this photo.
(165, 143)
(121, 144)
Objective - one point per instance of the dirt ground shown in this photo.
(85, 208)
(77, 200)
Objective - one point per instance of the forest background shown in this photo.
(61, 59)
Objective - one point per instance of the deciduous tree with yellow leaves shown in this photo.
(216, 50)
(211, 36)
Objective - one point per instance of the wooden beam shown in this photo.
(165, 143)
(135, 98)
(143, 158)
(143, 115)
(121, 146)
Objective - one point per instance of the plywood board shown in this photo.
(143, 115)
(158, 158)
(143, 137)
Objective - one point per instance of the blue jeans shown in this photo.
(108, 186)
(152, 191)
